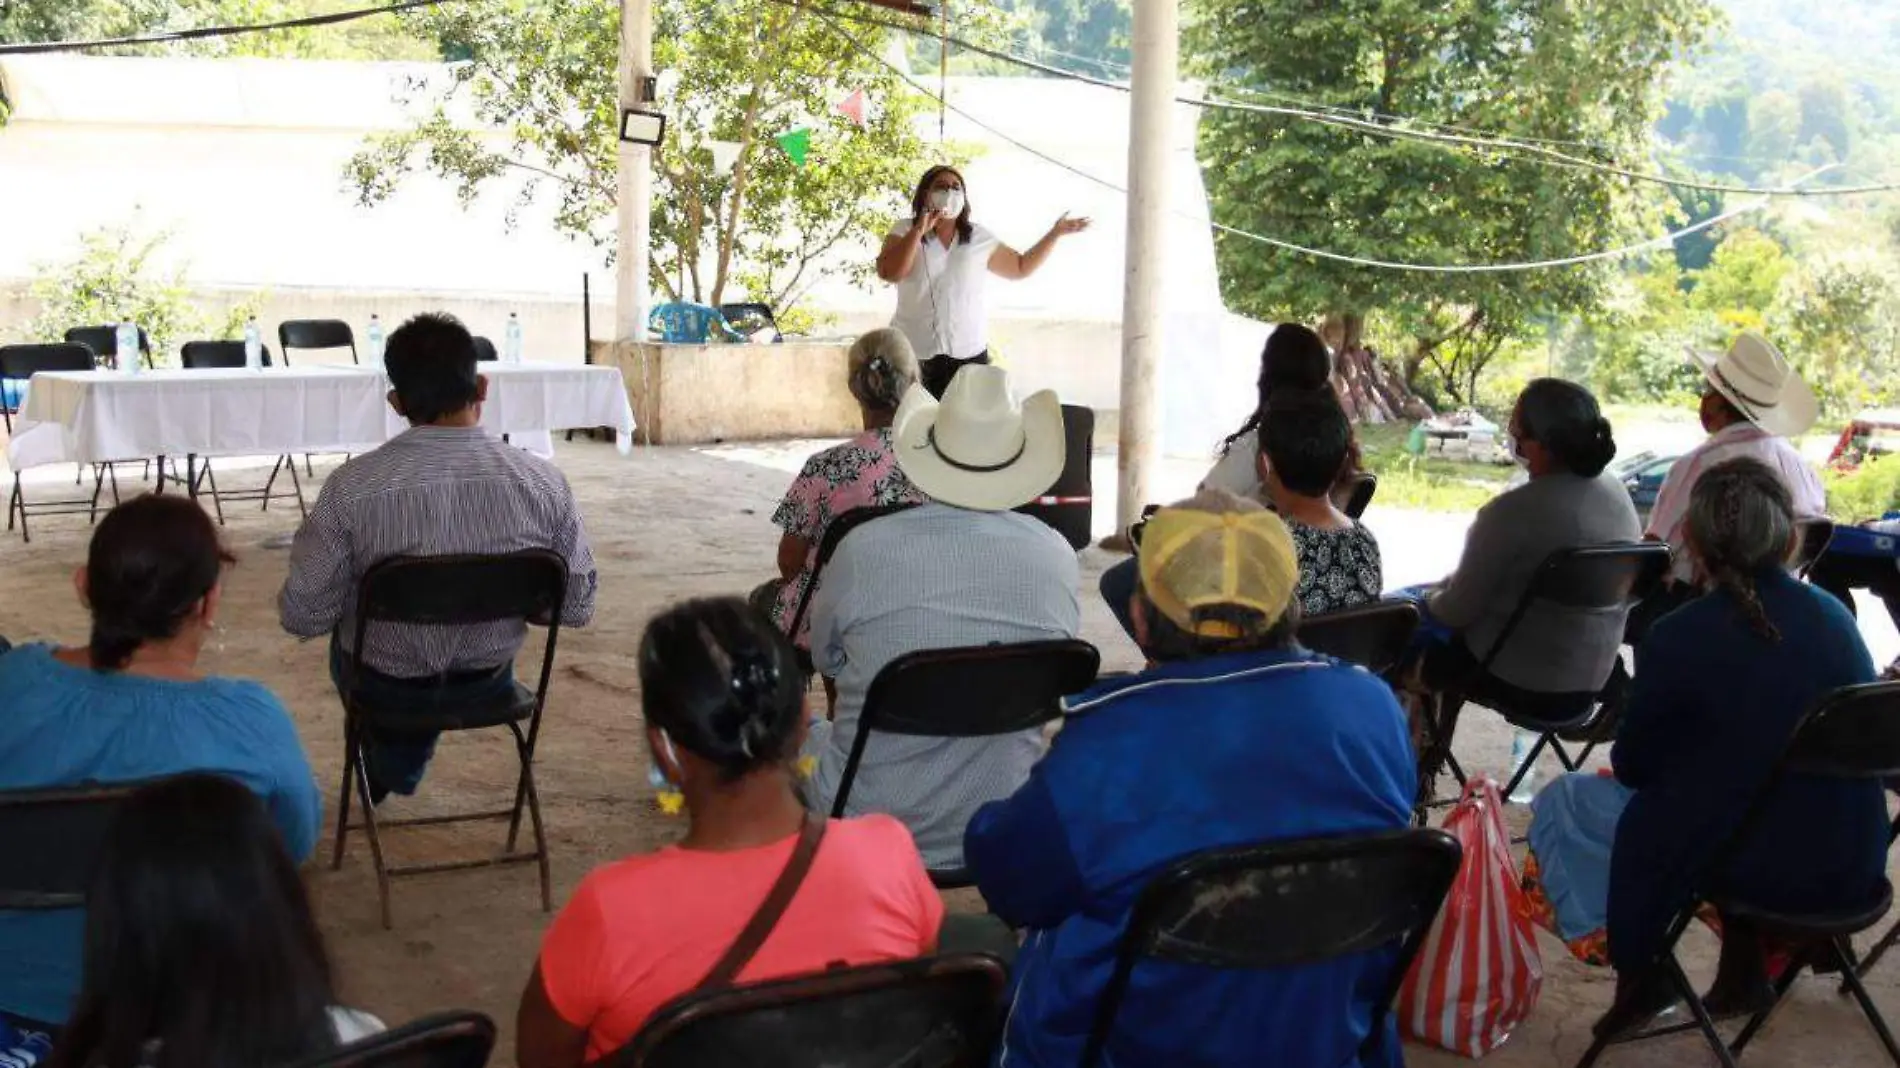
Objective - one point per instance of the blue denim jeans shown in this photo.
(397, 758)
(1118, 589)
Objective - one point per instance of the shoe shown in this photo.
(1633, 1012)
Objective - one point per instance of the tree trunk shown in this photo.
(748, 133)
(1368, 389)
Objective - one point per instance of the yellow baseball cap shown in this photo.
(1219, 551)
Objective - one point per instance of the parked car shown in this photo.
(1870, 434)
(1642, 475)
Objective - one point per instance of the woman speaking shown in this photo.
(938, 261)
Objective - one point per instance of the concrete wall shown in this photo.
(696, 394)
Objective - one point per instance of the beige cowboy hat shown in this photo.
(977, 448)
(1756, 378)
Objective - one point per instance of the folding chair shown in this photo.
(204, 355)
(1068, 506)
(314, 335)
(1375, 635)
(1287, 905)
(1364, 485)
(1596, 578)
(972, 692)
(451, 591)
(104, 343)
(940, 1012)
(1892, 937)
(1852, 733)
(828, 543)
(21, 363)
(440, 1040)
(485, 350)
(1815, 532)
(54, 837)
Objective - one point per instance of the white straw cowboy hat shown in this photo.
(1756, 378)
(978, 449)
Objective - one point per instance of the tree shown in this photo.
(1742, 281)
(65, 20)
(1840, 324)
(542, 79)
(1774, 127)
(1582, 72)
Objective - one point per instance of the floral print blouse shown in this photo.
(861, 473)
(1338, 568)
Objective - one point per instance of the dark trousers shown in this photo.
(396, 757)
(1118, 589)
(1841, 574)
(937, 371)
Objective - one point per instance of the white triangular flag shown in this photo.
(724, 154)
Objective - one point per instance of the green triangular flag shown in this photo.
(797, 145)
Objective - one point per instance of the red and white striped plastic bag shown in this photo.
(1478, 973)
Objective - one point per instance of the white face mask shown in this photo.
(948, 201)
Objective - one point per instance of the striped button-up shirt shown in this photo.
(432, 491)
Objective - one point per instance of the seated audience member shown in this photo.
(200, 949)
(132, 704)
(1724, 682)
(861, 473)
(1841, 573)
(443, 486)
(961, 570)
(1752, 403)
(1564, 444)
(723, 701)
(1295, 361)
(1236, 736)
(1305, 439)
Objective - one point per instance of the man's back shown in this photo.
(1669, 518)
(1192, 756)
(934, 577)
(432, 491)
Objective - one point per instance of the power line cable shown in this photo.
(1532, 152)
(1662, 241)
(201, 32)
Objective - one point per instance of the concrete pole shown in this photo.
(635, 197)
(1150, 142)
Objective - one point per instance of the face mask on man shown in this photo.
(947, 201)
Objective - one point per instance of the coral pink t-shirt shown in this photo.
(642, 931)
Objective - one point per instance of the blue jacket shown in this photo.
(1188, 757)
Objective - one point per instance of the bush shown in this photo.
(1867, 492)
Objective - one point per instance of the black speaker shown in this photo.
(1069, 505)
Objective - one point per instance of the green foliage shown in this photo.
(1742, 281)
(1428, 484)
(1587, 72)
(1841, 322)
(62, 20)
(544, 75)
(1867, 492)
(115, 279)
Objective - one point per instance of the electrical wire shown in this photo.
(201, 32)
(1657, 243)
(1531, 152)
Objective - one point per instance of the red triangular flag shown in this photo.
(852, 107)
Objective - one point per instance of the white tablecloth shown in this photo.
(106, 415)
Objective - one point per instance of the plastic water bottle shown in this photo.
(1521, 742)
(375, 341)
(126, 341)
(511, 341)
(253, 345)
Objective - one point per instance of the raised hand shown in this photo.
(1066, 226)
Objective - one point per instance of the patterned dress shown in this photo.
(1338, 568)
(861, 473)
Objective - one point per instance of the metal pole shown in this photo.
(1150, 142)
(635, 196)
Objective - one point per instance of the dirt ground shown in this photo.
(665, 525)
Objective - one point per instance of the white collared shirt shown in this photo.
(1669, 518)
(943, 305)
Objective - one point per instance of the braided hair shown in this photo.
(1740, 524)
(721, 680)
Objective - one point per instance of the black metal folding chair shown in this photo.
(441, 1040)
(1852, 733)
(1375, 635)
(485, 350)
(20, 363)
(1815, 534)
(1287, 905)
(976, 691)
(1364, 485)
(450, 591)
(1599, 578)
(828, 543)
(313, 335)
(53, 839)
(1068, 506)
(939, 1012)
(1892, 937)
(104, 343)
(211, 355)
